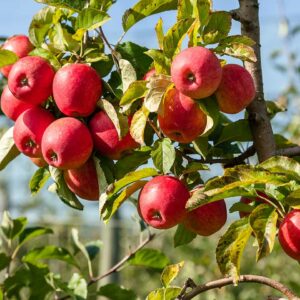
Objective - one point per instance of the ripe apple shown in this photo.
(30, 79)
(11, 106)
(39, 161)
(236, 90)
(76, 90)
(29, 129)
(289, 234)
(20, 45)
(106, 139)
(67, 144)
(162, 202)
(196, 72)
(181, 120)
(83, 181)
(207, 219)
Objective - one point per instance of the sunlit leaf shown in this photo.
(170, 273)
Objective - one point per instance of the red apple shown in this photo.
(106, 139)
(76, 90)
(196, 72)
(255, 201)
(83, 181)
(67, 144)
(39, 161)
(30, 79)
(207, 219)
(182, 119)
(20, 45)
(162, 202)
(29, 129)
(11, 106)
(236, 90)
(289, 234)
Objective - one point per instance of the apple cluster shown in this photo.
(57, 121)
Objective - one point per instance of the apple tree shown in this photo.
(104, 121)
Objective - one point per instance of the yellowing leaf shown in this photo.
(138, 125)
(170, 273)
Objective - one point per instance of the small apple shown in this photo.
(29, 129)
(236, 90)
(39, 162)
(83, 181)
(289, 234)
(76, 90)
(11, 106)
(20, 45)
(162, 202)
(106, 139)
(181, 120)
(30, 79)
(196, 72)
(67, 144)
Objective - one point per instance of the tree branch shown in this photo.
(290, 152)
(259, 121)
(243, 278)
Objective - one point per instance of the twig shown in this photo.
(290, 152)
(156, 130)
(243, 278)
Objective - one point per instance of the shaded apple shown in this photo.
(20, 45)
(106, 139)
(39, 161)
(162, 202)
(29, 129)
(196, 72)
(76, 90)
(236, 90)
(11, 106)
(67, 144)
(289, 234)
(83, 181)
(30, 79)
(181, 119)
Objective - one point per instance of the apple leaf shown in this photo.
(201, 145)
(163, 155)
(217, 28)
(11, 228)
(193, 33)
(161, 62)
(46, 54)
(183, 236)
(157, 85)
(160, 33)
(174, 37)
(169, 293)
(150, 258)
(61, 189)
(240, 39)
(263, 220)
(145, 8)
(231, 246)
(8, 149)
(185, 9)
(32, 232)
(76, 5)
(293, 199)
(89, 19)
(170, 273)
(38, 180)
(78, 286)
(128, 73)
(202, 10)
(114, 292)
(4, 262)
(7, 57)
(194, 167)
(241, 207)
(138, 125)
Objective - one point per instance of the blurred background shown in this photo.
(280, 41)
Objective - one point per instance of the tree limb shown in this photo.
(243, 278)
(290, 152)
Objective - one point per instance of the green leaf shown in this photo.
(8, 149)
(170, 273)
(60, 187)
(4, 261)
(49, 252)
(138, 125)
(263, 220)
(183, 236)
(275, 107)
(160, 33)
(145, 8)
(241, 207)
(158, 85)
(150, 258)
(185, 9)
(218, 27)
(161, 62)
(76, 5)
(12, 227)
(7, 57)
(202, 10)
(128, 73)
(46, 54)
(231, 246)
(38, 180)
(174, 37)
(201, 145)
(89, 19)
(194, 167)
(236, 131)
(115, 292)
(240, 39)
(78, 286)
(102, 177)
(169, 293)
(32, 232)
(163, 155)
(293, 199)
(93, 248)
